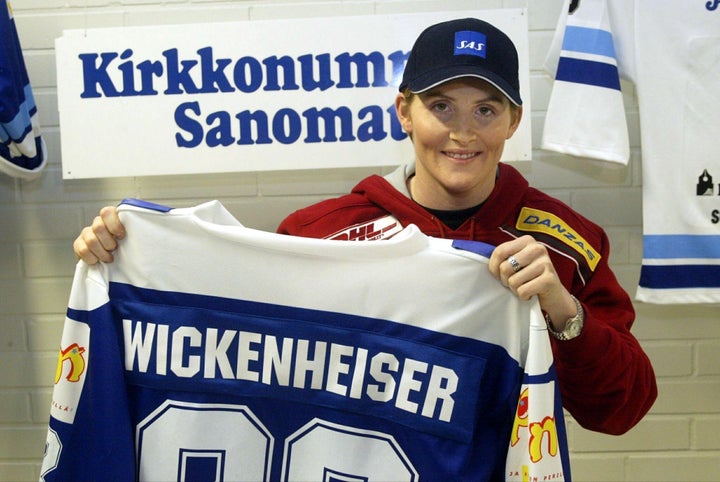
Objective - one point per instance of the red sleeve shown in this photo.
(606, 379)
(289, 225)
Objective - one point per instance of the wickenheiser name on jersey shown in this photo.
(414, 378)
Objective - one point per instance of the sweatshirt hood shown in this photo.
(391, 194)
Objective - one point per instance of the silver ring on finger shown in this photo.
(514, 263)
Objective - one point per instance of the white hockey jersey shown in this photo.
(22, 149)
(670, 50)
(210, 351)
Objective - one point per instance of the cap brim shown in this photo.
(433, 79)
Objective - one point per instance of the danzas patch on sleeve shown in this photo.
(538, 221)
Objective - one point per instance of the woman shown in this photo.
(459, 102)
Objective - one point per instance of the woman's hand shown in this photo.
(97, 241)
(524, 266)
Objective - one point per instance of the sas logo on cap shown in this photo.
(468, 42)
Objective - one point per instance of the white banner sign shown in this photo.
(247, 96)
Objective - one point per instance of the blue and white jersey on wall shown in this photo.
(210, 349)
(586, 115)
(22, 150)
(669, 50)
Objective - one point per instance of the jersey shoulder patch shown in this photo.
(542, 222)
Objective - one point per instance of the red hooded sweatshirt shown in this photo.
(606, 380)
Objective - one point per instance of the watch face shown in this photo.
(574, 325)
(572, 329)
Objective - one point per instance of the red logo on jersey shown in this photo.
(73, 354)
(380, 228)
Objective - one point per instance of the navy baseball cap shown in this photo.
(466, 47)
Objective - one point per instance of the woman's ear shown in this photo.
(402, 109)
(515, 121)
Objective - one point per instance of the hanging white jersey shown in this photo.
(22, 150)
(210, 351)
(669, 50)
(586, 80)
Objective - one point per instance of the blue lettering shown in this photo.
(372, 129)
(273, 65)
(244, 68)
(286, 126)
(128, 76)
(179, 80)
(328, 115)
(220, 134)
(213, 79)
(361, 61)
(189, 125)
(97, 76)
(148, 70)
(260, 119)
(306, 68)
(206, 74)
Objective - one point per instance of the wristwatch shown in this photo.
(573, 326)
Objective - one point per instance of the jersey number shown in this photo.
(211, 442)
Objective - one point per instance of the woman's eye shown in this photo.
(441, 107)
(485, 111)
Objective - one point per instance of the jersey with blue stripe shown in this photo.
(671, 55)
(584, 63)
(22, 150)
(211, 351)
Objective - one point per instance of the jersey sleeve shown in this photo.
(538, 441)
(89, 429)
(22, 149)
(586, 114)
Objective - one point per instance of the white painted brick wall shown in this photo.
(678, 441)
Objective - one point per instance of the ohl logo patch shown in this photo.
(73, 356)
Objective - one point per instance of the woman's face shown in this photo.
(458, 130)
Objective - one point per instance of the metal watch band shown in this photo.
(573, 326)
